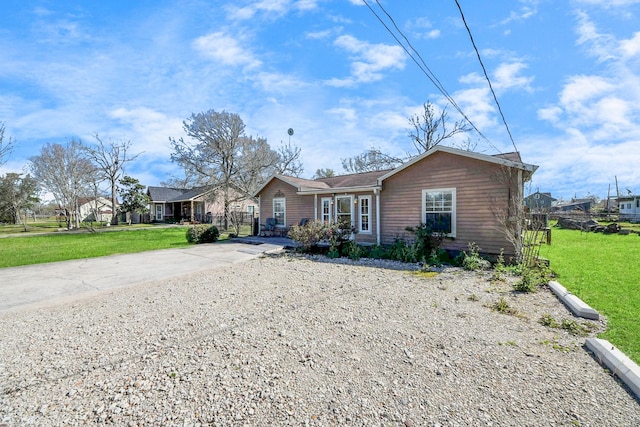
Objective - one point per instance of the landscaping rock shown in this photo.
(293, 341)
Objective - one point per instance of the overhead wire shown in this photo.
(484, 70)
(422, 65)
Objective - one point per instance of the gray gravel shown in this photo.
(284, 340)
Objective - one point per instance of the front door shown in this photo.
(158, 212)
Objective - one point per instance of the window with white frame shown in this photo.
(326, 210)
(279, 211)
(439, 210)
(344, 212)
(364, 214)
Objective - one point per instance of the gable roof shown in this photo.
(506, 159)
(168, 195)
(373, 180)
(355, 181)
(544, 195)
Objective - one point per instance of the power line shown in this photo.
(434, 79)
(484, 70)
(422, 65)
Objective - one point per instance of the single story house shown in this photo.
(199, 204)
(629, 208)
(539, 202)
(469, 196)
(574, 205)
(95, 209)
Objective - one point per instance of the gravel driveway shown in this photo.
(285, 340)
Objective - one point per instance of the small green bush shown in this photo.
(202, 233)
(353, 250)
(471, 259)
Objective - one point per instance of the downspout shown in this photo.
(376, 192)
(259, 215)
(519, 211)
(315, 206)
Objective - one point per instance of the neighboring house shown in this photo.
(539, 202)
(575, 205)
(95, 209)
(198, 204)
(629, 208)
(464, 194)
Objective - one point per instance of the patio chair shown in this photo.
(268, 228)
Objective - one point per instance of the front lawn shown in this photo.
(602, 270)
(37, 249)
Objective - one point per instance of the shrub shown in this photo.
(426, 241)
(532, 278)
(210, 235)
(308, 235)
(401, 251)
(337, 235)
(353, 250)
(471, 259)
(202, 233)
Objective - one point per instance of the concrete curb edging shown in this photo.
(575, 304)
(619, 364)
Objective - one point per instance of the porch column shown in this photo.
(376, 193)
(315, 206)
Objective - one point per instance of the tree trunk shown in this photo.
(114, 216)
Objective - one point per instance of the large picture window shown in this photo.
(364, 213)
(439, 210)
(279, 211)
(344, 214)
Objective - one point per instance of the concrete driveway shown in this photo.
(44, 284)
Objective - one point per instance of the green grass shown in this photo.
(603, 271)
(63, 246)
(37, 248)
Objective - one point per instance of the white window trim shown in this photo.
(350, 197)
(284, 206)
(454, 208)
(322, 202)
(359, 213)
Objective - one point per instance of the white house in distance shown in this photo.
(629, 208)
(95, 209)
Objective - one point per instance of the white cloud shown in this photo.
(270, 8)
(224, 49)
(149, 130)
(507, 76)
(599, 45)
(369, 60)
(421, 28)
(598, 117)
(630, 48)
(609, 3)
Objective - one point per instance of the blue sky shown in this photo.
(566, 74)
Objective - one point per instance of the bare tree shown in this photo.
(371, 160)
(289, 160)
(6, 146)
(324, 173)
(110, 159)
(508, 209)
(67, 173)
(221, 155)
(430, 128)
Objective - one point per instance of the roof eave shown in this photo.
(478, 156)
(355, 189)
